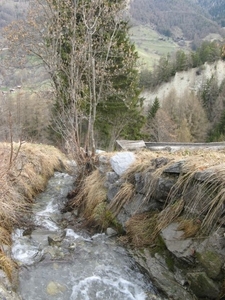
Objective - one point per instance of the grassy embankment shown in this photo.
(142, 230)
(24, 172)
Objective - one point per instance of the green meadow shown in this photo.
(150, 45)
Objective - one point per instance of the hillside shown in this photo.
(186, 82)
(180, 19)
(12, 10)
(216, 9)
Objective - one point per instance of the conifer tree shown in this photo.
(85, 46)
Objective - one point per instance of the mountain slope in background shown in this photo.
(187, 19)
(216, 9)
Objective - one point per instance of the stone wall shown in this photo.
(184, 263)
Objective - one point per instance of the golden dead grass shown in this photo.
(140, 229)
(123, 197)
(23, 174)
(92, 193)
(8, 266)
(210, 195)
(190, 227)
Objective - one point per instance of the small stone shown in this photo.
(54, 288)
(111, 232)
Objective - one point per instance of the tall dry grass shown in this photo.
(201, 209)
(24, 172)
(91, 194)
(198, 194)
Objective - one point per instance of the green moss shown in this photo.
(169, 261)
(159, 247)
(212, 263)
(104, 217)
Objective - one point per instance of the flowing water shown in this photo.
(61, 262)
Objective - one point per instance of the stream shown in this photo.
(59, 261)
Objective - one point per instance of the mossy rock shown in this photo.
(211, 262)
(202, 286)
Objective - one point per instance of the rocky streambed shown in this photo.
(59, 260)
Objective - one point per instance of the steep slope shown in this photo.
(12, 10)
(216, 8)
(179, 18)
(186, 82)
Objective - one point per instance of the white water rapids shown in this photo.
(79, 266)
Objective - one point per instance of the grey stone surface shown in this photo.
(111, 177)
(111, 232)
(176, 168)
(104, 165)
(122, 161)
(180, 247)
(139, 183)
(112, 191)
(162, 277)
(203, 286)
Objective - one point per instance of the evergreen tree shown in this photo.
(93, 68)
(153, 109)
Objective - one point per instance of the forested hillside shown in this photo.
(216, 9)
(186, 19)
(12, 10)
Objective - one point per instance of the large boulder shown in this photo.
(122, 161)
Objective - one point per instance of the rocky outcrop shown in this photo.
(185, 256)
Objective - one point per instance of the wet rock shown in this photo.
(203, 286)
(40, 236)
(122, 161)
(68, 216)
(8, 295)
(56, 239)
(54, 288)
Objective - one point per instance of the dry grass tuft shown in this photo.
(168, 215)
(5, 237)
(24, 172)
(91, 194)
(124, 195)
(8, 266)
(140, 229)
(24, 177)
(209, 196)
(103, 217)
(190, 227)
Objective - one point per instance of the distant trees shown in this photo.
(181, 120)
(213, 96)
(181, 61)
